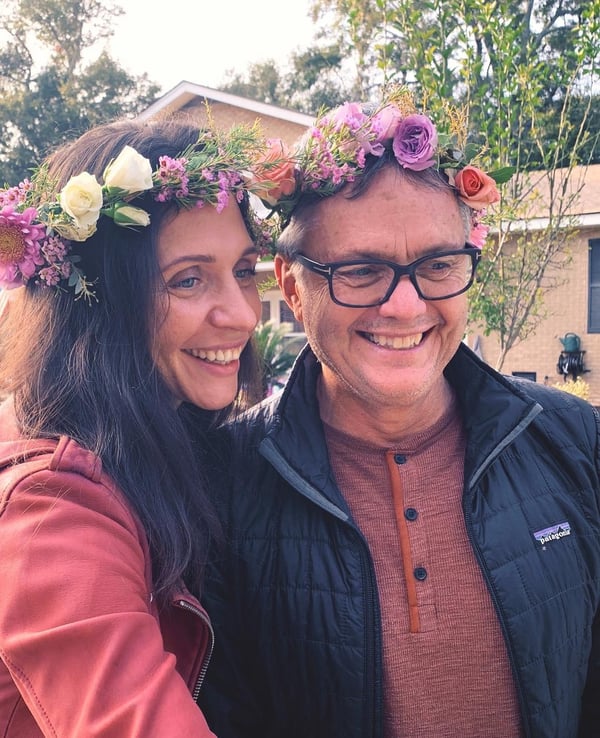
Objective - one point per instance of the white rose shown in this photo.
(127, 215)
(81, 198)
(73, 231)
(130, 172)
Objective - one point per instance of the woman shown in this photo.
(134, 250)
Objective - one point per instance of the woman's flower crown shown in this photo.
(336, 148)
(37, 227)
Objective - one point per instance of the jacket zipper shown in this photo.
(371, 632)
(207, 656)
(484, 570)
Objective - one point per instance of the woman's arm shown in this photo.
(78, 625)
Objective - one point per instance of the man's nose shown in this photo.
(403, 300)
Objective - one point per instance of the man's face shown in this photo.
(391, 356)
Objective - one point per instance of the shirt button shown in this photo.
(400, 458)
(420, 573)
(410, 513)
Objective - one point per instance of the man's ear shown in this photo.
(288, 284)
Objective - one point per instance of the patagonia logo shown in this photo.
(553, 533)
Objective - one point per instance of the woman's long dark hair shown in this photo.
(85, 370)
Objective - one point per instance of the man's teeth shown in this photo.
(396, 342)
(221, 356)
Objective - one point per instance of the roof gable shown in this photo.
(186, 92)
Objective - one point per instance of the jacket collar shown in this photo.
(494, 410)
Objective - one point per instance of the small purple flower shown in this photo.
(222, 200)
(415, 142)
(54, 249)
(15, 195)
(173, 178)
(50, 276)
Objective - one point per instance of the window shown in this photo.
(275, 309)
(532, 376)
(287, 316)
(594, 286)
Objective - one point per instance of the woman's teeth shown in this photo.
(221, 356)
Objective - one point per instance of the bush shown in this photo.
(578, 387)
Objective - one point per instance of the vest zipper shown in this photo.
(269, 451)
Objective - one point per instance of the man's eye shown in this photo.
(439, 266)
(355, 272)
(362, 273)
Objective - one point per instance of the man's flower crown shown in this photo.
(336, 148)
(37, 226)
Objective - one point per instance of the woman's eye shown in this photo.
(245, 274)
(186, 283)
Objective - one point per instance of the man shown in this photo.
(413, 539)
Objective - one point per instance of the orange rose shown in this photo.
(273, 175)
(476, 189)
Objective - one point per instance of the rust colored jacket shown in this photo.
(84, 652)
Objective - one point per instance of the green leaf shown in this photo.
(471, 150)
(502, 175)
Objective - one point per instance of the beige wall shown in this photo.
(567, 311)
(226, 116)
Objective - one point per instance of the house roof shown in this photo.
(186, 92)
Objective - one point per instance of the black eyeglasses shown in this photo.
(370, 282)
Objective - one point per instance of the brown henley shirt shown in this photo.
(445, 665)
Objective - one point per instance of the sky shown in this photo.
(199, 40)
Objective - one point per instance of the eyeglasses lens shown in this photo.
(368, 283)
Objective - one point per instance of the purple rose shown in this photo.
(415, 142)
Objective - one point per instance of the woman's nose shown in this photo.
(237, 308)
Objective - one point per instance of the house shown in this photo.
(189, 100)
(572, 308)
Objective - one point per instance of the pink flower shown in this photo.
(415, 142)
(476, 188)
(478, 235)
(173, 178)
(15, 195)
(348, 114)
(385, 123)
(20, 241)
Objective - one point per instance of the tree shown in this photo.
(361, 27)
(262, 82)
(56, 80)
(524, 75)
(313, 80)
(275, 360)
